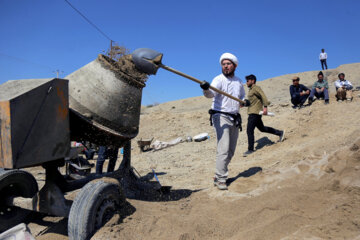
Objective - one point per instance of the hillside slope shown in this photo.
(305, 187)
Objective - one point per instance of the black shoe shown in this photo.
(326, 102)
(310, 101)
(247, 153)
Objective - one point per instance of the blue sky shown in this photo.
(270, 38)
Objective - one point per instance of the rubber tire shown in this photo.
(15, 183)
(83, 213)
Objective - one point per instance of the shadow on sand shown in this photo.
(150, 189)
(144, 189)
(248, 173)
(56, 225)
(262, 142)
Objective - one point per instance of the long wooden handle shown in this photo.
(200, 82)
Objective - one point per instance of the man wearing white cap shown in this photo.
(224, 115)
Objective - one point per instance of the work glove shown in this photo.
(247, 103)
(205, 85)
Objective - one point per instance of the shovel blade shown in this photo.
(147, 60)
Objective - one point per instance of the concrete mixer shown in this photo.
(38, 120)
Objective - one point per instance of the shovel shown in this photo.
(149, 61)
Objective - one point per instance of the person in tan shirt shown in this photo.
(257, 103)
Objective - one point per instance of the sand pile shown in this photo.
(317, 198)
(124, 66)
(121, 61)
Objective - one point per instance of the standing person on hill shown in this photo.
(298, 93)
(224, 115)
(320, 89)
(258, 102)
(343, 88)
(323, 58)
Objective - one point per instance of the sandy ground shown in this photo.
(307, 187)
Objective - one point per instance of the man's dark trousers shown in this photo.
(324, 94)
(323, 62)
(104, 153)
(299, 99)
(254, 121)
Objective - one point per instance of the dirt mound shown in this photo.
(317, 198)
(306, 187)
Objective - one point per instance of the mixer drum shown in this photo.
(104, 103)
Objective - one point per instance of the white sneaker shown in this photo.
(220, 185)
(282, 136)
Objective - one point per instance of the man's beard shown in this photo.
(230, 74)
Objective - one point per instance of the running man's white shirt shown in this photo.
(323, 56)
(230, 85)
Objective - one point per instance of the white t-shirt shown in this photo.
(323, 56)
(232, 86)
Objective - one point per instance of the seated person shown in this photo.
(320, 89)
(343, 88)
(298, 93)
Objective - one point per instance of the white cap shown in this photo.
(230, 57)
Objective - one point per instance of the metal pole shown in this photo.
(58, 73)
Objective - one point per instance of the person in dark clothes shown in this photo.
(89, 150)
(298, 93)
(104, 153)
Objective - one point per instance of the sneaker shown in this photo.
(221, 185)
(349, 99)
(248, 152)
(326, 102)
(310, 101)
(339, 100)
(282, 136)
